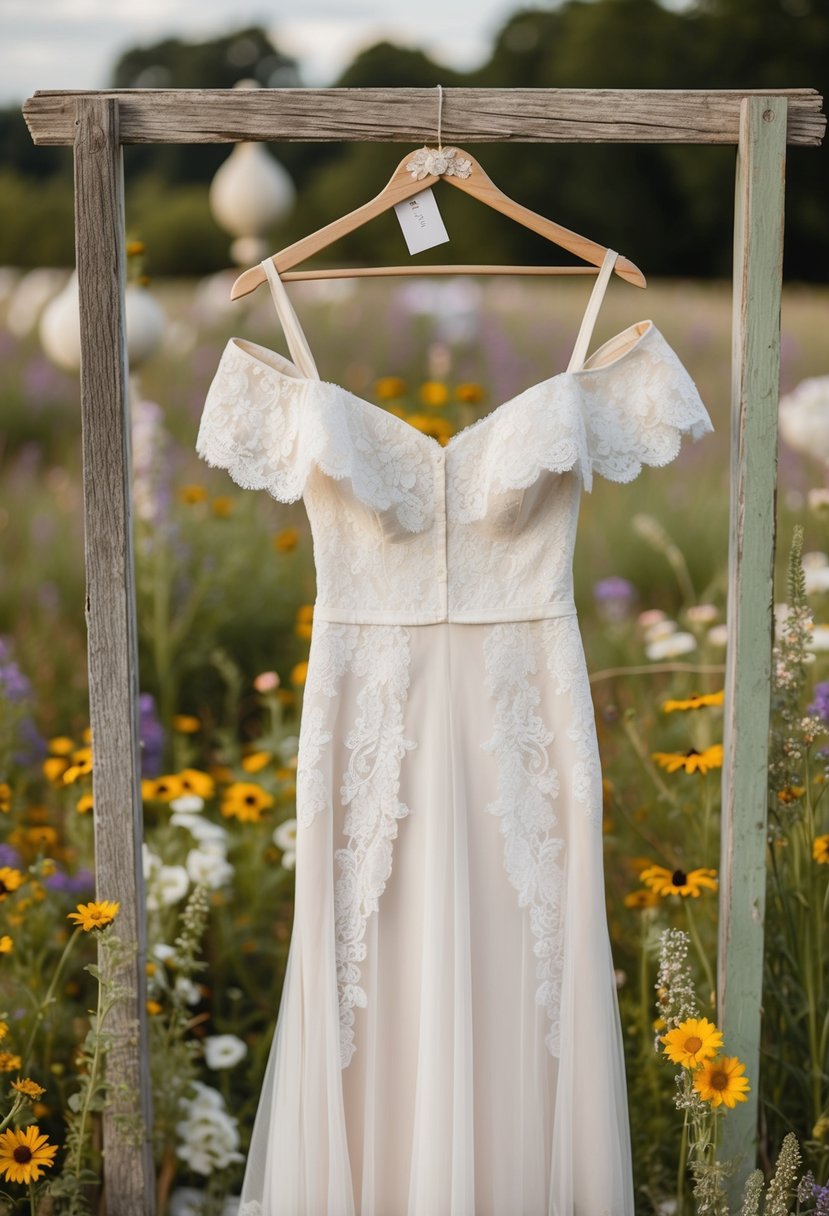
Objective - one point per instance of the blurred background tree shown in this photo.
(670, 207)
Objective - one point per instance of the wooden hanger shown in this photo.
(402, 185)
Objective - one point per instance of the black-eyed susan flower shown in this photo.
(791, 793)
(53, 768)
(694, 1040)
(469, 393)
(192, 493)
(388, 388)
(30, 1088)
(163, 789)
(222, 506)
(438, 428)
(820, 849)
(9, 1062)
(254, 762)
(95, 915)
(434, 393)
(299, 672)
(5, 797)
(153, 1008)
(695, 701)
(61, 745)
(245, 801)
(641, 899)
(84, 804)
(691, 761)
(678, 882)
(24, 1154)
(286, 540)
(720, 1081)
(303, 624)
(10, 880)
(194, 781)
(4, 1030)
(186, 724)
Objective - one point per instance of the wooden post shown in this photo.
(758, 269)
(129, 1182)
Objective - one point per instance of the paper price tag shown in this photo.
(420, 220)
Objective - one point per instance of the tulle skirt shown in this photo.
(448, 1041)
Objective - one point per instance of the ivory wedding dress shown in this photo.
(448, 1040)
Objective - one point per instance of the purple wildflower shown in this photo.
(152, 736)
(614, 597)
(9, 857)
(820, 705)
(82, 880)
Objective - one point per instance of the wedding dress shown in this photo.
(448, 1040)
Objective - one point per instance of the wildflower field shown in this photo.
(225, 587)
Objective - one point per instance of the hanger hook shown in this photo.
(440, 115)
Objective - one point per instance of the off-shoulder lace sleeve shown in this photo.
(637, 407)
(250, 425)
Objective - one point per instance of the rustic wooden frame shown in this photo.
(97, 123)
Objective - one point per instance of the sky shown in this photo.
(72, 44)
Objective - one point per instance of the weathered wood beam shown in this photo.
(210, 116)
(112, 639)
(755, 387)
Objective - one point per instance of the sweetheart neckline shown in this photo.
(435, 444)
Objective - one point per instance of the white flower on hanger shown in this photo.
(438, 161)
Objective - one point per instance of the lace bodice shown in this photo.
(408, 531)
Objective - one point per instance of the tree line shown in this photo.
(669, 207)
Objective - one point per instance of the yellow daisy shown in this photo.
(53, 768)
(31, 1089)
(222, 506)
(193, 781)
(61, 745)
(678, 882)
(5, 797)
(434, 393)
(163, 789)
(695, 701)
(25, 1154)
(820, 849)
(186, 724)
(192, 493)
(94, 915)
(254, 761)
(245, 801)
(286, 540)
(438, 428)
(9, 1062)
(691, 761)
(84, 804)
(469, 393)
(694, 1040)
(10, 880)
(720, 1082)
(388, 388)
(641, 899)
(299, 672)
(6, 946)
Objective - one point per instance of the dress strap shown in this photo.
(592, 311)
(297, 342)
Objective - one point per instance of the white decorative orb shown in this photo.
(60, 328)
(250, 191)
(145, 323)
(804, 417)
(30, 295)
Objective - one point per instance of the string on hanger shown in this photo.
(440, 115)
